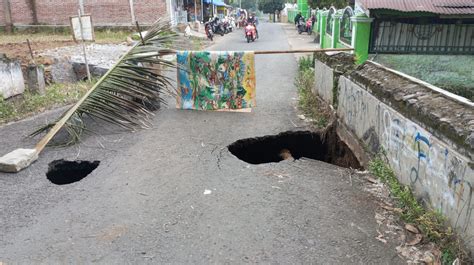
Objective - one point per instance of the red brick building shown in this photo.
(104, 12)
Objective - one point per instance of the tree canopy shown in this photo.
(328, 3)
(246, 4)
(269, 6)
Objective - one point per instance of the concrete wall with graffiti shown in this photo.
(439, 174)
(428, 136)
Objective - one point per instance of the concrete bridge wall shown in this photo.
(428, 137)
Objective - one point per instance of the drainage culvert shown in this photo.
(62, 172)
(326, 147)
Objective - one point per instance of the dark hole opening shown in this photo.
(326, 147)
(63, 172)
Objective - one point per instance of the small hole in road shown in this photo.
(63, 172)
(291, 145)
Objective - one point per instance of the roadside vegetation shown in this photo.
(311, 106)
(29, 104)
(432, 224)
(453, 73)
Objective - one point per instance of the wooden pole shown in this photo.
(139, 31)
(31, 51)
(195, 11)
(287, 51)
(81, 6)
(305, 51)
(132, 11)
(84, 45)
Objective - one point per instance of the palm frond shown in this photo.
(125, 95)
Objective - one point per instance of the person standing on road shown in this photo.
(297, 18)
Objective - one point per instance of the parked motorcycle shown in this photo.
(208, 29)
(250, 33)
(301, 25)
(226, 26)
(232, 23)
(229, 24)
(217, 26)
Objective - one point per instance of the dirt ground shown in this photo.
(21, 51)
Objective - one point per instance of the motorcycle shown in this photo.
(226, 26)
(229, 24)
(250, 33)
(301, 25)
(208, 29)
(217, 27)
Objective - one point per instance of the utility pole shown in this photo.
(84, 45)
(132, 11)
(81, 6)
(202, 11)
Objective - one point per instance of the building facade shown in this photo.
(104, 12)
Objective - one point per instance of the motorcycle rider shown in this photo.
(254, 21)
(297, 17)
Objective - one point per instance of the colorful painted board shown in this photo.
(216, 80)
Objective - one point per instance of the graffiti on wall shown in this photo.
(432, 167)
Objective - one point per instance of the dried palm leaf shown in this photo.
(124, 96)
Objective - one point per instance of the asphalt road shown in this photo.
(145, 203)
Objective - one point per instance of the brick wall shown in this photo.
(104, 12)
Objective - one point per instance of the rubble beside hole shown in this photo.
(61, 172)
(327, 147)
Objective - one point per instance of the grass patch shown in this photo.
(112, 36)
(310, 104)
(450, 72)
(28, 104)
(432, 224)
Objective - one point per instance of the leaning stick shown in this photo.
(22, 157)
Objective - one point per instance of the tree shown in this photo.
(269, 6)
(328, 3)
(246, 4)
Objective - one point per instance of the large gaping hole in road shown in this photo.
(63, 172)
(326, 147)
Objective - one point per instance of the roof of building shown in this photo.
(441, 7)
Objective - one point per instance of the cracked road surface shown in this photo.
(145, 203)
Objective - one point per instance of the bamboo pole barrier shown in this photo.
(283, 51)
(304, 51)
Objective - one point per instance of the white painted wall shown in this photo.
(11, 78)
(324, 76)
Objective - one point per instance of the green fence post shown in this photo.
(303, 7)
(361, 36)
(322, 28)
(316, 25)
(335, 28)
